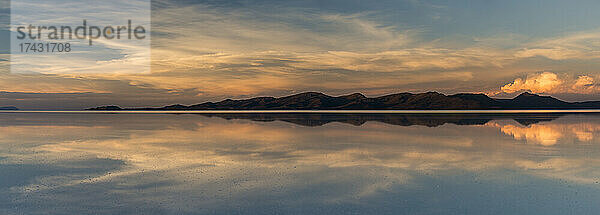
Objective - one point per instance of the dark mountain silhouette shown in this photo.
(110, 107)
(400, 101)
(9, 108)
(529, 101)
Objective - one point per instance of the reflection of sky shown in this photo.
(157, 164)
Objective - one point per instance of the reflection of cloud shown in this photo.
(223, 147)
(194, 156)
(576, 170)
(559, 164)
(541, 134)
(549, 134)
(583, 135)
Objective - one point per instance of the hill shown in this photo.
(400, 101)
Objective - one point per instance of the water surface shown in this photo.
(287, 163)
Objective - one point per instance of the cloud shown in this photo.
(579, 45)
(227, 51)
(584, 84)
(105, 56)
(239, 53)
(552, 83)
(538, 83)
(551, 53)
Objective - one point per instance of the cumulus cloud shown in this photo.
(538, 83)
(541, 134)
(584, 83)
(548, 82)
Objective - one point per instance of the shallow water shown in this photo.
(286, 163)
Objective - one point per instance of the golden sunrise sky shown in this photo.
(208, 50)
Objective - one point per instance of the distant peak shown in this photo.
(177, 106)
(402, 101)
(109, 107)
(354, 96)
(308, 94)
(527, 94)
(312, 93)
(433, 93)
(470, 94)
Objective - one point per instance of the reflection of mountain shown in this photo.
(430, 120)
(9, 108)
(400, 101)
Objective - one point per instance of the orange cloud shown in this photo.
(548, 82)
(550, 53)
(584, 84)
(539, 83)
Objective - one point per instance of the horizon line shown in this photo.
(525, 111)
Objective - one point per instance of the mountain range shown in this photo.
(400, 101)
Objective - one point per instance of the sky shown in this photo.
(214, 49)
